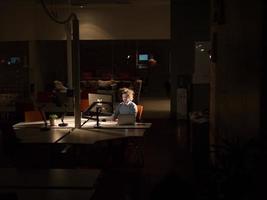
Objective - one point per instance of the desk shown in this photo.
(90, 124)
(109, 124)
(35, 135)
(91, 136)
(29, 132)
(49, 183)
(58, 138)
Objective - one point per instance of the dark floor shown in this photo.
(167, 160)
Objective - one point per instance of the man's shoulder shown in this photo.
(133, 104)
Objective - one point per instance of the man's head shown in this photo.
(127, 95)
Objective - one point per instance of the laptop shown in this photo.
(126, 119)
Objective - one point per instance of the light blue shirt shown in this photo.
(123, 108)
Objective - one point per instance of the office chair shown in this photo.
(84, 104)
(139, 114)
(32, 116)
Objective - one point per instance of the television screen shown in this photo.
(143, 57)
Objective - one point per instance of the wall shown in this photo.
(237, 70)
(27, 22)
(190, 23)
(122, 21)
(200, 88)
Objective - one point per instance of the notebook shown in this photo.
(126, 119)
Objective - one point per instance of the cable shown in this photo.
(72, 15)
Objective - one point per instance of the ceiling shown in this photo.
(82, 2)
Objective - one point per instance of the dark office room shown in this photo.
(133, 99)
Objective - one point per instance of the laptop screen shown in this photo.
(126, 119)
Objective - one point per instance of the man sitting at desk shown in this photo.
(127, 106)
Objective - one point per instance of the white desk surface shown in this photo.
(90, 124)
(29, 132)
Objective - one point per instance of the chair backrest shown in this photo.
(140, 110)
(84, 104)
(32, 116)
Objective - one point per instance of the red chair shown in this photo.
(84, 104)
(32, 116)
(139, 114)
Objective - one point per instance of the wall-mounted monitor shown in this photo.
(14, 60)
(143, 57)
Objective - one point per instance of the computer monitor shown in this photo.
(143, 57)
(96, 110)
(99, 97)
(102, 109)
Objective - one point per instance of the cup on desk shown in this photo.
(52, 119)
(52, 122)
